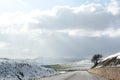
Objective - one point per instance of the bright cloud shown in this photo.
(111, 33)
(113, 7)
(3, 45)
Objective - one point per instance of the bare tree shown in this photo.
(95, 59)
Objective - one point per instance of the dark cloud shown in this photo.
(67, 18)
(83, 46)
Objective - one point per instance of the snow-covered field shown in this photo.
(78, 65)
(11, 69)
(83, 64)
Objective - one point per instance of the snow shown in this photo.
(79, 65)
(22, 70)
(84, 64)
(111, 56)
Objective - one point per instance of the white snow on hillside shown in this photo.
(79, 65)
(84, 64)
(111, 56)
(22, 70)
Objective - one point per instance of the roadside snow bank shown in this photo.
(22, 70)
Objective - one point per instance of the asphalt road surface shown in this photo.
(76, 75)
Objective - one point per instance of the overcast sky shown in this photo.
(59, 28)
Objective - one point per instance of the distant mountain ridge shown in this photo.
(57, 60)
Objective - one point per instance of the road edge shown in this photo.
(110, 73)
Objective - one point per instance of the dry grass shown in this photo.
(110, 73)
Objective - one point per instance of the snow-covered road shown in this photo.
(76, 75)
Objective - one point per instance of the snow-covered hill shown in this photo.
(22, 70)
(73, 66)
(112, 56)
(112, 60)
(79, 65)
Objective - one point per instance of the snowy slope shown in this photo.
(114, 55)
(22, 70)
(112, 61)
(84, 64)
(78, 65)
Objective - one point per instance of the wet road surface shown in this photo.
(76, 75)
